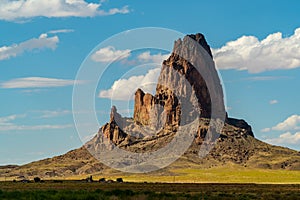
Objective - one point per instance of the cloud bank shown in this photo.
(291, 131)
(292, 123)
(249, 53)
(123, 89)
(285, 138)
(13, 10)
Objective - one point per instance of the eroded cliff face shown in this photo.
(144, 107)
(181, 76)
(113, 129)
(187, 88)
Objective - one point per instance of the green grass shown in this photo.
(81, 190)
(238, 175)
(228, 174)
(234, 174)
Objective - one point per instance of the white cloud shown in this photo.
(290, 128)
(274, 101)
(7, 124)
(60, 31)
(12, 10)
(248, 53)
(156, 58)
(123, 89)
(37, 82)
(43, 42)
(113, 11)
(109, 54)
(285, 139)
(292, 123)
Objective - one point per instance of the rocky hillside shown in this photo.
(188, 92)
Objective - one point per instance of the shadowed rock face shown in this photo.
(175, 74)
(181, 77)
(113, 129)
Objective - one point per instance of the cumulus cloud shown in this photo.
(38, 82)
(292, 123)
(123, 89)
(290, 132)
(43, 42)
(13, 10)
(109, 54)
(249, 53)
(156, 58)
(274, 101)
(285, 139)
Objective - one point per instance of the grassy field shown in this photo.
(226, 174)
(212, 175)
(83, 190)
(185, 183)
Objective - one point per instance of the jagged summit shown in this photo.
(199, 37)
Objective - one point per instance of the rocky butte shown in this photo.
(181, 85)
(188, 90)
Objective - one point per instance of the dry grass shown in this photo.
(234, 174)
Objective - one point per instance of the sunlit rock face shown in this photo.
(180, 85)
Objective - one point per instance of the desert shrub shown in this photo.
(119, 180)
(37, 179)
(102, 180)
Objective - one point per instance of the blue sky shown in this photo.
(42, 46)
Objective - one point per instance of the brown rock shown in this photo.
(113, 130)
(173, 82)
